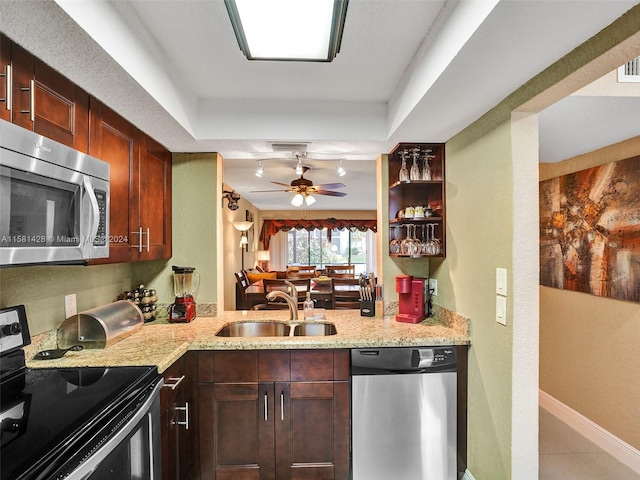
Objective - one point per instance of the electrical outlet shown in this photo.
(70, 307)
(433, 286)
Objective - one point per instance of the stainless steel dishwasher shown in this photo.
(404, 413)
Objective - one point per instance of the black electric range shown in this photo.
(53, 420)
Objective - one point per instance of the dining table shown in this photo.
(321, 292)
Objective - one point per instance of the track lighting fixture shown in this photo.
(341, 171)
(299, 169)
(260, 170)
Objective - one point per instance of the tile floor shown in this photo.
(566, 455)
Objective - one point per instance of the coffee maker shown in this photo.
(185, 283)
(413, 296)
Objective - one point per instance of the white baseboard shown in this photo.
(611, 444)
(467, 475)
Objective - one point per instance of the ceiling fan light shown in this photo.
(260, 170)
(309, 200)
(297, 200)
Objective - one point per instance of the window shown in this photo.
(313, 248)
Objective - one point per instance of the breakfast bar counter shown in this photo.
(161, 344)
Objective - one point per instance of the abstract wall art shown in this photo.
(590, 231)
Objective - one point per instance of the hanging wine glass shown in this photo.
(415, 170)
(404, 173)
(424, 244)
(406, 246)
(426, 169)
(394, 245)
(437, 247)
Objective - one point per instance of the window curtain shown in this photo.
(278, 252)
(272, 227)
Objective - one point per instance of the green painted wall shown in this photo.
(479, 239)
(195, 186)
(42, 289)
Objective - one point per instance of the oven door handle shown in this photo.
(84, 470)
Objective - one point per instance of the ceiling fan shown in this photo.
(303, 188)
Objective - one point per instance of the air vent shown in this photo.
(289, 147)
(630, 71)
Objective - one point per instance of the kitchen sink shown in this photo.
(254, 329)
(276, 329)
(315, 329)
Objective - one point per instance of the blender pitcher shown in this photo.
(185, 284)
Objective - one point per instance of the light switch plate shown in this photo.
(501, 310)
(501, 281)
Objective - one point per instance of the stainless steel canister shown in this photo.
(102, 326)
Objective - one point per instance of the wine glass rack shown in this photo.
(417, 202)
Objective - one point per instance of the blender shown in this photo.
(185, 283)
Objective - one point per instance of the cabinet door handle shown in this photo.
(184, 409)
(139, 233)
(148, 241)
(282, 406)
(174, 382)
(7, 85)
(266, 417)
(32, 100)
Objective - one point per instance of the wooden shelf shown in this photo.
(427, 193)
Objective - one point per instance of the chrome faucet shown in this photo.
(292, 289)
(293, 305)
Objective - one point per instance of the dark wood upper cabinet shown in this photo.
(153, 199)
(5, 78)
(113, 140)
(37, 97)
(46, 102)
(140, 220)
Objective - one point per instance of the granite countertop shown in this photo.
(161, 344)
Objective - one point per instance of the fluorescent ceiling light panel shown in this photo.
(309, 30)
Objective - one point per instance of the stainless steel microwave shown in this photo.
(54, 201)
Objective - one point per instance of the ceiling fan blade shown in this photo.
(265, 191)
(283, 184)
(330, 193)
(328, 186)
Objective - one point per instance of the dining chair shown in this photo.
(241, 286)
(301, 271)
(303, 285)
(340, 271)
(345, 293)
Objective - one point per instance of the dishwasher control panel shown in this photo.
(378, 361)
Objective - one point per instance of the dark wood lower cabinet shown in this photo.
(178, 415)
(274, 415)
